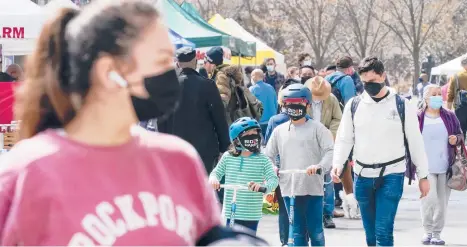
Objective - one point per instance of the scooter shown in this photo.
(292, 201)
(233, 205)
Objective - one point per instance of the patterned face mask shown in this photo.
(250, 142)
(295, 111)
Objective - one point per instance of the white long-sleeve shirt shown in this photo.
(378, 137)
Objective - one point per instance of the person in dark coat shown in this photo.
(203, 72)
(199, 118)
(4, 77)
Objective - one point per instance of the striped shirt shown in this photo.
(242, 170)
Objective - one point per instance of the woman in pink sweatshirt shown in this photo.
(80, 174)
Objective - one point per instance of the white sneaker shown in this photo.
(436, 240)
(426, 240)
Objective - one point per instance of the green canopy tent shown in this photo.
(246, 49)
(200, 36)
(194, 30)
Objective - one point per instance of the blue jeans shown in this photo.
(328, 196)
(283, 218)
(264, 127)
(308, 218)
(250, 224)
(379, 206)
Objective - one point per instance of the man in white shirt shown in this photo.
(376, 134)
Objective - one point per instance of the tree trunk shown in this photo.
(416, 64)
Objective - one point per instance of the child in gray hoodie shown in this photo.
(302, 144)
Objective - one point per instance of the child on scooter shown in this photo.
(302, 144)
(245, 164)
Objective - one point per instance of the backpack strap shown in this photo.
(333, 83)
(353, 107)
(400, 104)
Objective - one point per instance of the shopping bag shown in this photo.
(270, 204)
(458, 176)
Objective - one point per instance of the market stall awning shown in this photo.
(243, 47)
(20, 20)
(263, 51)
(179, 41)
(450, 67)
(200, 36)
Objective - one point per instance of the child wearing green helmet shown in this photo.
(245, 164)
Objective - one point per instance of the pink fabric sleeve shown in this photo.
(210, 205)
(7, 186)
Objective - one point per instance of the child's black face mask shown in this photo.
(250, 142)
(295, 111)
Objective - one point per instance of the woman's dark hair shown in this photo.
(58, 71)
(301, 57)
(263, 67)
(234, 151)
(249, 69)
(371, 64)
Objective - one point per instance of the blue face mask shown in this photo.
(436, 102)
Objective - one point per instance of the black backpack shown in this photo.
(400, 105)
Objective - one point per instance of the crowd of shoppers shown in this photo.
(113, 183)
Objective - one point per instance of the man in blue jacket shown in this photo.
(343, 86)
(266, 94)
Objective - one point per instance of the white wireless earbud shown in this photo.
(114, 76)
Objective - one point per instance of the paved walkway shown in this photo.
(408, 230)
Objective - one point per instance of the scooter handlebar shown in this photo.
(234, 186)
(297, 171)
(242, 187)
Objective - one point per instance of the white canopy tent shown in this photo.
(260, 45)
(20, 24)
(55, 5)
(20, 20)
(449, 68)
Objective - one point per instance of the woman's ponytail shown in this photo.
(43, 101)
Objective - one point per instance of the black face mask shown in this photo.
(295, 111)
(164, 93)
(305, 78)
(373, 88)
(250, 142)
